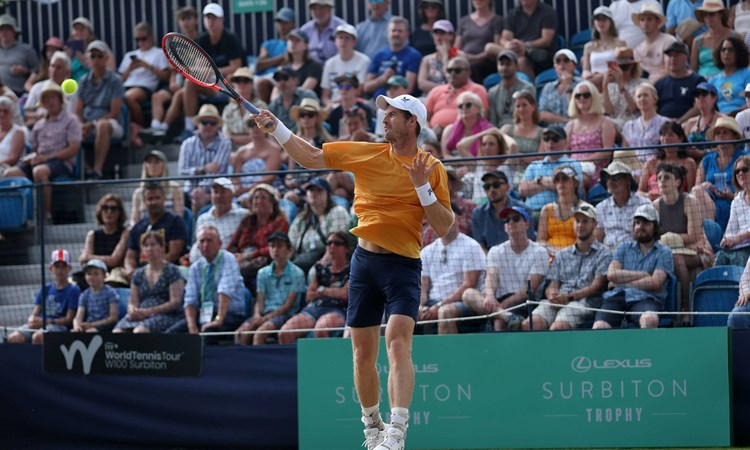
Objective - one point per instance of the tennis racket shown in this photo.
(197, 66)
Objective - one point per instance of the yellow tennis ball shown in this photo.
(69, 86)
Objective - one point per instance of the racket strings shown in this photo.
(190, 60)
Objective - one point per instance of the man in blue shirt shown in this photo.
(679, 11)
(399, 58)
(486, 226)
(639, 271)
(372, 34)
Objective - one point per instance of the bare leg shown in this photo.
(41, 174)
(297, 322)
(101, 143)
(365, 348)
(158, 101)
(449, 311)
(398, 338)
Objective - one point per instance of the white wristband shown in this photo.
(281, 133)
(425, 194)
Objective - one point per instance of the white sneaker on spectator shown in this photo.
(394, 439)
(373, 437)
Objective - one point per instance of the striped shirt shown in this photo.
(52, 134)
(194, 155)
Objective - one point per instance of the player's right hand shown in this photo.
(265, 120)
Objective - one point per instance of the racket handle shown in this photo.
(249, 107)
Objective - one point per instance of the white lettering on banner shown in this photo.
(422, 392)
(418, 368)
(608, 415)
(583, 364)
(567, 390)
(87, 353)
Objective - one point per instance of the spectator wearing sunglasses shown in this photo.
(349, 102)
(501, 95)
(555, 96)
(289, 95)
(486, 225)
(432, 68)
(441, 104)
(347, 62)
(620, 83)
(205, 153)
(234, 114)
(471, 120)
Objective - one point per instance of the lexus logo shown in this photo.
(581, 364)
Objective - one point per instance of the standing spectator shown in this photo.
(53, 45)
(155, 166)
(59, 71)
(530, 30)
(320, 29)
(556, 95)
(731, 57)
(272, 53)
(599, 52)
(205, 153)
(613, 213)
(12, 136)
(716, 17)
(486, 226)
(280, 285)
(234, 114)
(501, 94)
(620, 83)
(142, 70)
(346, 61)
(17, 59)
(650, 52)
(308, 70)
(473, 33)
(289, 95)
(55, 142)
(256, 158)
(736, 241)
(432, 68)
(441, 99)
(622, 12)
(640, 271)
(398, 58)
(471, 120)
(155, 292)
(108, 244)
(100, 97)
(373, 31)
(430, 12)
(98, 305)
(643, 131)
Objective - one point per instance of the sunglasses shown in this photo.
(465, 105)
(308, 115)
(242, 80)
(96, 56)
(583, 95)
(494, 184)
(113, 208)
(336, 243)
(345, 86)
(209, 123)
(741, 169)
(282, 77)
(513, 218)
(141, 39)
(455, 70)
(551, 138)
(562, 61)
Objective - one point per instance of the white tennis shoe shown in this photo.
(373, 437)
(394, 439)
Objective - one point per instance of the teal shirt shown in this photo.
(277, 288)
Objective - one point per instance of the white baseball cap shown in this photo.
(747, 88)
(568, 54)
(405, 103)
(213, 8)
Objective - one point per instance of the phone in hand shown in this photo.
(134, 57)
(75, 45)
(612, 64)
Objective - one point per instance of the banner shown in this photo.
(252, 6)
(617, 388)
(167, 355)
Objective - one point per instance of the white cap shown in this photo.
(224, 182)
(568, 54)
(213, 8)
(747, 88)
(648, 212)
(348, 29)
(405, 103)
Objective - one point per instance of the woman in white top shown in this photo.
(598, 52)
(12, 136)
(739, 17)
(736, 242)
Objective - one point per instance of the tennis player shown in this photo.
(396, 185)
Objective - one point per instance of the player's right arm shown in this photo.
(299, 149)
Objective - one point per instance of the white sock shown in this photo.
(371, 416)
(155, 123)
(189, 125)
(400, 418)
(163, 126)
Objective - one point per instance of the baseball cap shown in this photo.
(405, 103)
(82, 21)
(586, 209)
(508, 54)
(59, 255)
(319, 183)
(567, 53)
(347, 76)
(444, 25)
(299, 34)
(279, 236)
(397, 80)
(747, 89)
(495, 174)
(617, 168)
(505, 211)
(286, 70)
(677, 46)
(285, 14)
(213, 8)
(98, 45)
(556, 130)
(157, 153)
(346, 28)
(565, 170)
(707, 87)
(98, 263)
(322, 2)
(224, 182)
(603, 11)
(647, 212)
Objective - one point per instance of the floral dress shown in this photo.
(154, 296)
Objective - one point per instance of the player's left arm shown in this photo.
(438, 215)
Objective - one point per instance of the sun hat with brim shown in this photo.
(687, 28)
(624, 55)
(674, 241)
(6, 20)
(207, 111)
(617, 168)
(308, 104)
(649, 8)
(724, 122)
(242, 72)
(51, 86)
(709, 6)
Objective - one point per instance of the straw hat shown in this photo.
(710, 6)
(206, 111)
(624, 55)
(675, 242)
(725, 122)
(308, 104)
(650, 8)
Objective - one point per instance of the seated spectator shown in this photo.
(473, 32)
(346, 62)
(319, 217)
(432, 68)
(355, 126)
(373, 31)
(223, 215)
(19, 59)
(309, 118)
(157, 218)
(349, 91)
(715, 171)
(677, 89)
(556, 219)
(620, 83)
(643, 131)
(205, 153)
(399, 58)
(280, 285)
(650, 53)
(81, 35)
(440, 100)
(736, 241)
(463, 211)
(590, 129)
(108, 243)
(307, 70)
(395, 86)
(577, 278)
(529, 30)
(501, 95)
(706, 104)
(622, 13)
(731, 57)
(60, 303)
(450, 266)
(55, 142)
(640, 271)
(490, 142)
(670, 133)
(509, 266)
(155, 166)
(142, 70)
(260, 154)
(739, 17)
(615, 212)
(100, 97)
(320, 29)
(679, 12)
(233, 115)
(99, 304)
(53, 45)
(433, 148)
(716, 17)
(599, 52)
(12, 136)
(471, 120)
(250, 241)
(556, 95)
(59, 71)
(155, 292)
(214, 293)
(538, 185)
(289, 95)
(430, 13)
(327, 292)
(741, 320)
(486, 226)
(525, 131)
(272, 54)
(743, 117)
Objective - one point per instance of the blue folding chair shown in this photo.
(544, 77)
(715, 290)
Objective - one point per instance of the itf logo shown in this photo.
(87, 353)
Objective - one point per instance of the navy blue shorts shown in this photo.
(56, 168)
(618, 303)
(382, 282)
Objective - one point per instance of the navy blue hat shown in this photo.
(495, 174)
(319, 183)
(707, 87)
(517, 209)
(299, 34)
(556, 130)
(285, 70)
(279, 236)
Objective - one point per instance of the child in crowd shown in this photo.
(60, 304)
(98, 305)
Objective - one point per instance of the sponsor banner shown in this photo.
(252, 6)
(164, 355)
(617, 388)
